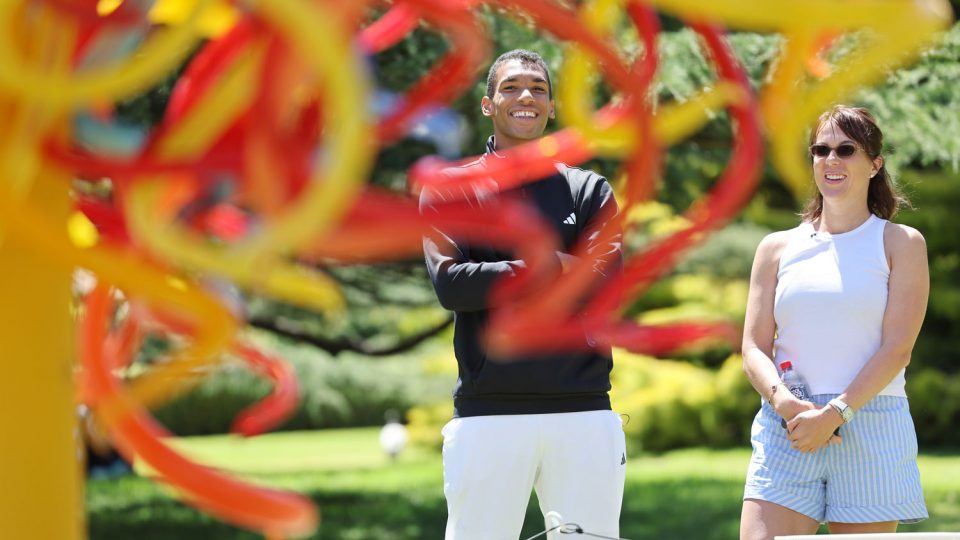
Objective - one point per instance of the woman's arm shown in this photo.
(909, 290)
(759, 329)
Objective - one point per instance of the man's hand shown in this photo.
(814, 429)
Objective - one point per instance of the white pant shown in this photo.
(575, 461)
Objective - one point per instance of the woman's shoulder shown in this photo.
(778, 240)
(900, 238)
(773, 244)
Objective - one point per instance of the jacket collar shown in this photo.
(492, 149)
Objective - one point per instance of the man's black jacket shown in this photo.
(576, 203)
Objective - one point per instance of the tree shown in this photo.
(391, 306)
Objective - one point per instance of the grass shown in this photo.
(363, 496)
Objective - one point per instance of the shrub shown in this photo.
(935, 406)
(674, 404)
(425, 422)
(346, 391)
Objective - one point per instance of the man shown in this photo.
(536, 421)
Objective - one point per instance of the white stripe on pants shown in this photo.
(574, 461)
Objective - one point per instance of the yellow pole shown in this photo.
(41, 489)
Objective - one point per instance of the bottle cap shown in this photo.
(785, 365)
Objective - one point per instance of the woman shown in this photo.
(842, 297)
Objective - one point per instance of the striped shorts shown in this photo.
(872, 476)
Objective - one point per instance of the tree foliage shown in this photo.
(391, 307)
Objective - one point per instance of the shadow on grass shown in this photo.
(344, 515)
(705, 509)
(687, 509)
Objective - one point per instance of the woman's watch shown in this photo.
(845, 411)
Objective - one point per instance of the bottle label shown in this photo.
(800, 392)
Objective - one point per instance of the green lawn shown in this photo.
(362, 495)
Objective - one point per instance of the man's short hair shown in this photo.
(527, 59)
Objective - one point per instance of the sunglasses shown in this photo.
(845, 150)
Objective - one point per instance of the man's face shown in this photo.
(520, 106)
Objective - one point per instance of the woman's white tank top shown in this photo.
(829, 304)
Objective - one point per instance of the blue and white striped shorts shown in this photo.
(872, 476)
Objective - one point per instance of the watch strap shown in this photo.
(844, 410)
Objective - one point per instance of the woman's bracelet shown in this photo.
(773, 390)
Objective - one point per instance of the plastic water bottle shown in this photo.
(795, 384)
(793, 381)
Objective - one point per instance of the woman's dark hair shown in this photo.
(883, 197)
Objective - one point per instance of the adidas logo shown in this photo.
(571, 219)
(623, 459)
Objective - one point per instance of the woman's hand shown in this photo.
(788, 406)
(814, 428)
